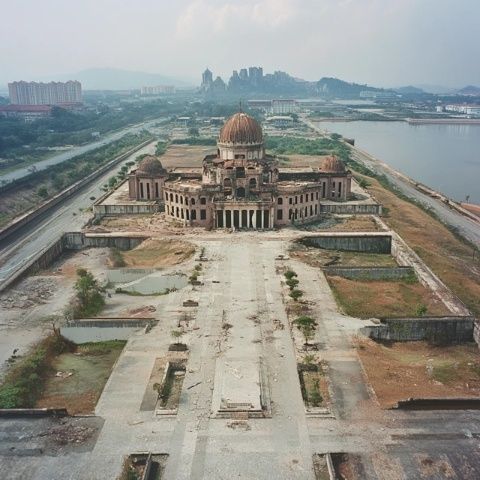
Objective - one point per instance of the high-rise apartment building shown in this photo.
(53, 93)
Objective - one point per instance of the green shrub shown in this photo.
(289, 274)
(292, 283)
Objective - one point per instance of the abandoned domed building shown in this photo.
(243, 187)
(147, 180)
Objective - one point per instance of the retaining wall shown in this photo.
(371, 273)
(102, 210)
(352, 209)
(80, 240)
(352, 243)
(438, 330)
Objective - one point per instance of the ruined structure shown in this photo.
(241, 186)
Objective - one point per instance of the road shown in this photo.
(73, 152)
(466, 227)
(67, 216)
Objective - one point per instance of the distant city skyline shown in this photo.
(380, 42)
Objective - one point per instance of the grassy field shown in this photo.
(418, 370)
(372, 298)
(154, 253)
(447, 255)
(77, 378)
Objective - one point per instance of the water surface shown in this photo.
(444, 157)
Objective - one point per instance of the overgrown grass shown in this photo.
(116, 258)
(24, 382)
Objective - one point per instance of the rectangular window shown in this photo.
(279, 214)
(203, 214)
(203, 201)
(316, 209)
(324, 189)
(301, 198)
(316, 195)
(311, 196)
(194, 214)
(290, 201)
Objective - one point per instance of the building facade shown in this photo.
(147, 181)
(53, 93)
(243, 187)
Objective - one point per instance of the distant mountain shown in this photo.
(117, 79)
(436, 89)
(335, 86)
(469, 90)
(408, 90)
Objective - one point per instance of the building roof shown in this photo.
(241, 129)
(332, 164)
(150, 166)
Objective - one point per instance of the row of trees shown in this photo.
(304, 323)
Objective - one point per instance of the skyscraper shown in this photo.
(53, 93)
(207, 79)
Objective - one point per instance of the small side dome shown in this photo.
(241, 129)
(150, 166)
(332, 164)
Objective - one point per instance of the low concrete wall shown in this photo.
(351, 209)
(130, 209)
(353, 243)
(33, 412)
(438, 330)
(79, 240)
(439, 404)
(371, 273)
(27, 217)
(111, 322)
(72, 241)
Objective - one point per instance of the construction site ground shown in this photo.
(240, 318)
(419, 370)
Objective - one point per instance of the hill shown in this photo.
(337, 87)
(117, 79)
(469, 90)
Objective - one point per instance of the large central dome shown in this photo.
(241, 129)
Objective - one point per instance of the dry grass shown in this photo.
(448, 256)
(158, 253)
(356, 223)
(185, 155)
(372, 298)
(317, 257)
(419, 370)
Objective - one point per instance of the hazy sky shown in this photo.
(381, 42)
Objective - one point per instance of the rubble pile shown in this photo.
(30, 292)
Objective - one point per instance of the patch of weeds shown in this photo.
(23, 383)
(444, 373)
(116, 258)
(421, 310)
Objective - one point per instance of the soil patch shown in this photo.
(78, 378)
(447, 255)
(318, 257)
(419, 370)
(372, 298)
(158, 253)
(186, 155)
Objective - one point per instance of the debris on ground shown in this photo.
(67, 433)
(29, 292)
(141, 311)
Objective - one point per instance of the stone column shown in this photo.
(254, 219)
(224, 218)
(240, 218)
(262, 218)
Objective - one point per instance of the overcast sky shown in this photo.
(380, 42)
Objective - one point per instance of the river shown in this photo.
(444, 157)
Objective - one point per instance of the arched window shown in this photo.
(280, 200)
(192, 201)
(171, 197)
(240, 192)
(252, 183)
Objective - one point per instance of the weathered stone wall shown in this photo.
(352, 243)
(79, 240)
(437, 330)
(371, 273)
(352, 209)
(102, 210)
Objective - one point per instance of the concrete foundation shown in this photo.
(371, 273)
(353, 243)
